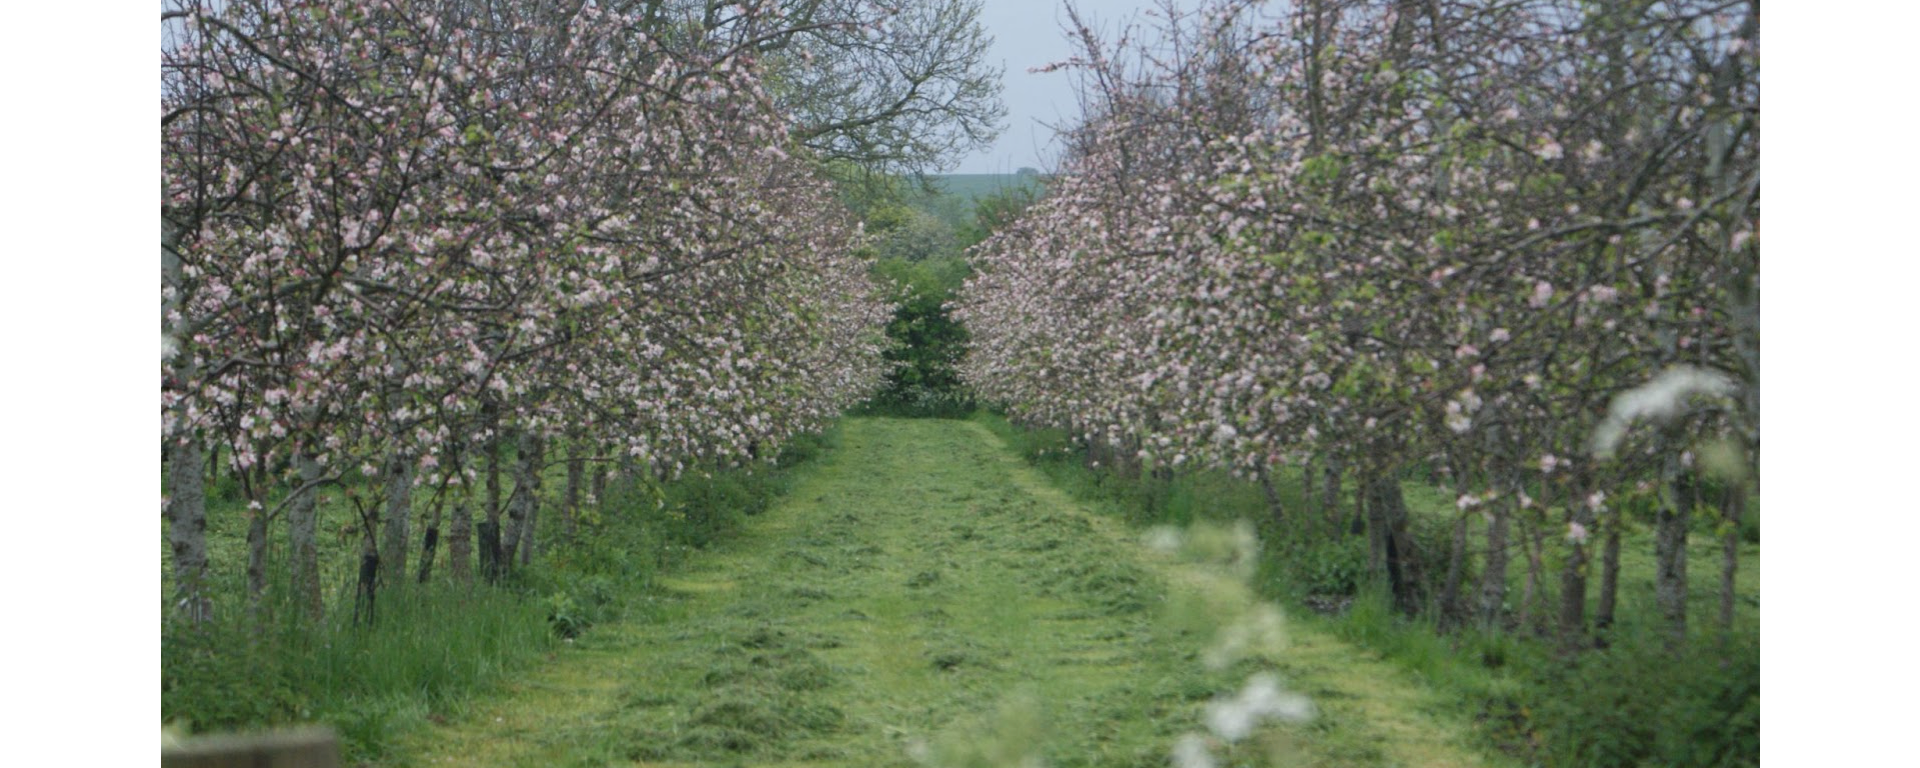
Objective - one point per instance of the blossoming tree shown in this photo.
(1380, 234)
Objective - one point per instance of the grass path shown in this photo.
(922, 593)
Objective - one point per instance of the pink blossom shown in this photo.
(1542, 294)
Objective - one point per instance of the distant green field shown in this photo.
(973, 186)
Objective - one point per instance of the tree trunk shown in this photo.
(1530, 593)
(1387, 527)
(1274, 508)
(369, 581)
(393, 544)
(493, 481)
(576, 473)
(1365, 521)
(460, 539)
(1609, 575)
(1670, 559)
(430, 542)
(1493, 583)
(186, 505)
(521, 506)
(1330, 494)
(1573, 573)
(1735, 507)
(515, 528)
(527, 537)
(186, 512)
(256, 552)
(492, 450)
(1573, 596)
(213, 467)
(536, 480)
(1311, 504)
(1451, 612)
(1316, 42)
(491, 565)
(303, 537)
(256, 542)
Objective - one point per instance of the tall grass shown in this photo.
(430, 648)
(1633, 702)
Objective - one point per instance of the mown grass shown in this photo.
(921, 597)
(1526, 697)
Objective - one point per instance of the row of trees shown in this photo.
(407, 241)
(1516, 243)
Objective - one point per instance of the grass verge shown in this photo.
(436, 646)
(1525, 698)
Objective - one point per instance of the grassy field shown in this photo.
(973, 186)
(923, 596)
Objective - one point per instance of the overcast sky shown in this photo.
(1028, 34)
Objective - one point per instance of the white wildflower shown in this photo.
(1191, 752)
(1234, 719)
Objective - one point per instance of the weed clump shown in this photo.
(761, 695)
(1111, 584)
(1119, 589)
(766, 636)
(806, 595)
(747, 718)
(806, 673)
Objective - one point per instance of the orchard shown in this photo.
(402, 235)
(1516, 245)
(490, 327)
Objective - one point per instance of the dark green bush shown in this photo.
(1328, 566)
(220, 676)
(927, 344)
(1750, 529)
(1638, 704)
